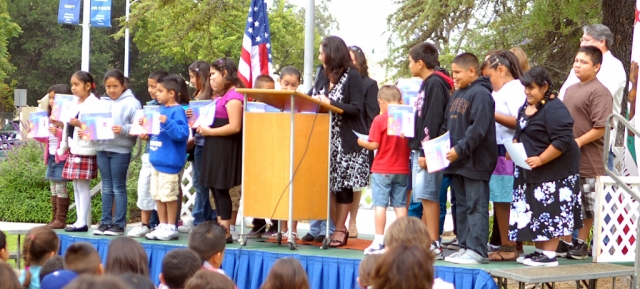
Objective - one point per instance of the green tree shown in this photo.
(8, 29)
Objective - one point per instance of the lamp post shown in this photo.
(308, 45)
(126, 38)
(86, 35)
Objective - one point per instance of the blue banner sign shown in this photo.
(69, 12)
(101, 13)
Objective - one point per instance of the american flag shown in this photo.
(255, 58)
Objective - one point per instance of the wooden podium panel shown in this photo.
(267, 163)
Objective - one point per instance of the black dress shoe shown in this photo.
(71, 228)
(320, 238)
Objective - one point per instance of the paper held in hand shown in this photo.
(362, 136)
(401, 120)
(435, 152)
(517, 154)
(207, 115)
(136, 127)
(62, 109)
(97, 126)
(38, 124)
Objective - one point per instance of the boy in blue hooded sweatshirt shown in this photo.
(470, 120)
(167, 155)
(114, 155)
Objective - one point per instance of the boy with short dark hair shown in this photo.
(54, 263)
(470, 121)
(178, 266)
(264, 82)
(430, 109)
(590, 103)
(208, 241)
(390, 168)
(82, 258)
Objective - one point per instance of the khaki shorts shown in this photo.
(235, 194)
(164, 187)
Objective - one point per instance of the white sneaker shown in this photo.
(139, 231)
(186, 227)
(167, 235)
(153, 235)
(464, 259)
(374, 248)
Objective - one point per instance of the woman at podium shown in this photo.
(340, 84)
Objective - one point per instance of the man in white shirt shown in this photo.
(611, 74)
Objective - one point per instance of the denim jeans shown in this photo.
(201, 208)
(472, 197)
(319, 227)
(113, 171)
(446, 182)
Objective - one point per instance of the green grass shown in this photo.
(12, 242)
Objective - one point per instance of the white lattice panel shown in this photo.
(187, 192)
(615, 221)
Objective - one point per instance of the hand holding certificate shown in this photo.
(401, 120)
(62, 107)
(97, 126)
(517, 154)
(38, 124)
(435, 151)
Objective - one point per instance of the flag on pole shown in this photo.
(255, 58)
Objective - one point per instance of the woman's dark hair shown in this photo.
(176, 84)
(206, 279)
(202, 70)
(97, 282)
(156, 75)
(336, 58)
(508, 59)
(228, 69)
(39, 243)
(117, 74)
(85, 77)
(126, 255)
(8, 278)
(3, 240)
(540, 77)
(403, 266)
(361, 61)
(290, 70)
(286, 273)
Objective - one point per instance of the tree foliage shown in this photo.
(8, 29)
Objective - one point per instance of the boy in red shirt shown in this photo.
(390, 170)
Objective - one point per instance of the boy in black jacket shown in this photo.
(430, 110)
(470, 120)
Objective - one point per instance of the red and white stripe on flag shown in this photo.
(255, 59)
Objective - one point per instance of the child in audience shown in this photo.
(208, 241)
(137, 281)
(404, 266)
(125, 255)
(590, 103)
(145, 202)
(41, 243)
(286, 273)
(470, 120)
(177, 267)
(4, 247)
(55, 163)
(82, 258)
(205, 279)
(365, 270)
(168, 156)
(8, 278)
(390, 168)
(97, 282)
(58, 279)
(54, 263)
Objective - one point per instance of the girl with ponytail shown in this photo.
(549, 191)
(41, 244)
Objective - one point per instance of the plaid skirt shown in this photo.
(80, 167)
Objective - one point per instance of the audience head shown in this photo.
(178, 266)
(597, 35)
(522, 58)
(58, 279)
(465, 69)
(8, 277)
(199, 78)
(82, 258)
(126, 255)
(98, 282)
(264, 82)
(365, 270)
(422, 57)
(208, 241)
(290, 78)
(137, 281)
(54, 263)
(409, 231)
(4, 249)
(41, 243)
(286, 273)
(206, 279)
(404, 266)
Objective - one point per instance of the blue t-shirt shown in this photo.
(167, 150)
(35, 277)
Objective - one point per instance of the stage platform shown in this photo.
(333, 268)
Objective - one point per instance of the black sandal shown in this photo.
(342, 242)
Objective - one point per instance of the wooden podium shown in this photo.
(285, 160)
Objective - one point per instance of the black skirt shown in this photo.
(221, 159)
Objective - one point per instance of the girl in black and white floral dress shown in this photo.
(546, 199)
(341, 85)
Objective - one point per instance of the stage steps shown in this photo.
(546, 277)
